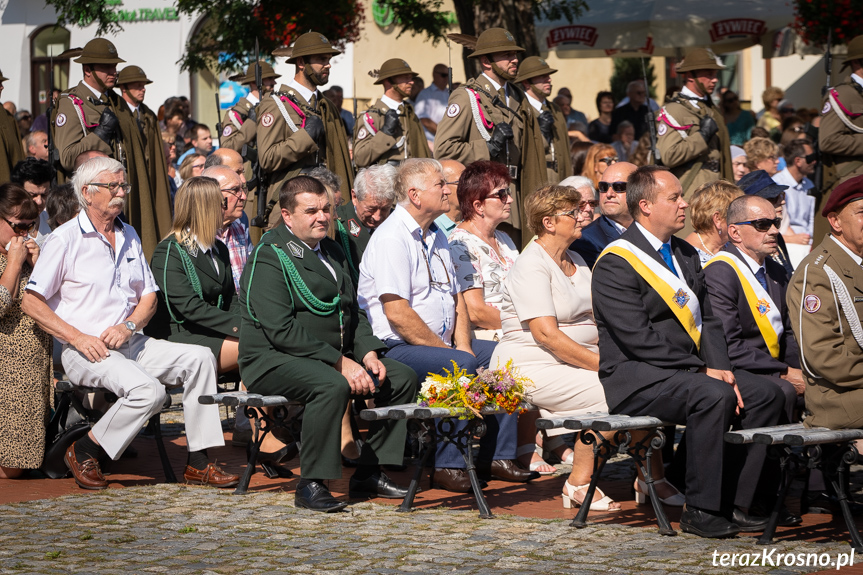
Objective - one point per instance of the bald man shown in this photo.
(447, 222)
(615, 216)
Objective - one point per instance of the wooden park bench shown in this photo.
(621, 442)
(798, 447)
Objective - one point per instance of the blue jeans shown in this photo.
(500, 440)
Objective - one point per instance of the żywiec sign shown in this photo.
(737, 28)
(585, 35)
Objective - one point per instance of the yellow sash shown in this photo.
(764, 310)
(673, 290)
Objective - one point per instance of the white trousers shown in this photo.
(137, 374)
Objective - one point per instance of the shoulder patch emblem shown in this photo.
(60, 121)
(453, 110)
(227, 131)
(354, 228)
(811, 303)
(361, 135)
(826, 107)
(296, 250)
(267, 120)
(661, 129)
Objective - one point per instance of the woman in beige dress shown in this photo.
(26, 372)
(550, 333)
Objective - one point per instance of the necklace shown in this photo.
(702, 244)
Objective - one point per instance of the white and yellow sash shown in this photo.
(764, 309)
(681, 300)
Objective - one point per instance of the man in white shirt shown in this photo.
(432, 102)
(409, 290)
(799, 205)
(93, 290)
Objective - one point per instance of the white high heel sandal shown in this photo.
(534, 465)
(642, 493)
(569, 498)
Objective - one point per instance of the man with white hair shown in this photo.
(372, 200)
(93, 290)
(409, 290)
(615, 216)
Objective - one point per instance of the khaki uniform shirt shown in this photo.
(71, 138)
(556, 152)
(831, 358)
(237, 130)
(10, 145)
(371, 146)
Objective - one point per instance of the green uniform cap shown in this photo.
(699, 59)
(267, 71)
(309, 44)
(532, 67)
(99, 51)
(495, 40)
(394, 67)
(131, 74)
(855, 51)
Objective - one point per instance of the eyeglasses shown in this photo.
(592, 204)
(21, 228)
(455, 183)
(573, 213)
(501, 194)
(236, 191)
(609, 160)
(761, 224)
(432, 282)
(618, 187)
(112, 186)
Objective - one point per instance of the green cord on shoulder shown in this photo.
(191, 273)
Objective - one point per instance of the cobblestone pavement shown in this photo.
(194, 530)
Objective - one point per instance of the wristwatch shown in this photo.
(130, 325)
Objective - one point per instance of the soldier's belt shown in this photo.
(712, 165)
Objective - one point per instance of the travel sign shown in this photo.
(142, 14)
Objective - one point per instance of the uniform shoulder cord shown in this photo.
(346, 245)
(189, 268)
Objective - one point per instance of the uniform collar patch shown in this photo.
(296, 250)
(354, 228)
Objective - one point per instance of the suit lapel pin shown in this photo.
(681, 298)
(296, 250)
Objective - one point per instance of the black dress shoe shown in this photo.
(821, 502)
(270, 462)
(748, 523)
(451, 479)
(377, 485)
(786, 518)
(706, 523)
(507, 470)
(316, 497)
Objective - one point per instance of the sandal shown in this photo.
(539, 466)
(569, 498)
(548, 450)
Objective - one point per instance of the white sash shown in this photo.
(291, 125)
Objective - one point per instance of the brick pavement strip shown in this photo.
(190, 530)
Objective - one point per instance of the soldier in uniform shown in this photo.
(534, 76)
(691, 135)
(10, 140)
(92, 117)
(825, 314)
(319, 348)
(239, 126)
(299, 129)
(390, 131)
(485, 121)
(840, 136)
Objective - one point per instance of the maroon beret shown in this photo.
(846, 192)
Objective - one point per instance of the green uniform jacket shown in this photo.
(356, 235)
(283, 153)
(284, 326)
(831, 359)
(199, 319)
(10, 145)
(684, 150)
(371, 146)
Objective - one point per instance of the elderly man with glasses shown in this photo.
(93, 290)
(409, 290)
(235, 224)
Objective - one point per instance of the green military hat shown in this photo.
(131, 74)
(309, 44)
(855, 51)
(393, 67)
(495, 40)
(2, 77)
(699, 59)
(531, 67)
(267, 71)
(99, 51)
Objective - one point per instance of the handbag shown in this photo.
(69, 423)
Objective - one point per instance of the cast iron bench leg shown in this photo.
(257, 439)
(160, 445)
(427, 447)
(601, 452)
(848, 456)
(785, 477)
(656, 440)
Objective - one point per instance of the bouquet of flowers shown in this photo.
(466, 395)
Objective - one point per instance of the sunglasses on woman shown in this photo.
(501, 194)
(21, 228)
(618, 187)
(609, 160)
(761, 224)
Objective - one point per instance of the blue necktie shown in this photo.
(665, 251)
(759, 275)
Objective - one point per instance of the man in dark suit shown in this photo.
(663, 353)
(615, 216)
(747, 293)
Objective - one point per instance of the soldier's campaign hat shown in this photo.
(99, 51)
(495, 40)
(855, 51)
(309, 44)
(394, 67)
(531, 67)
(759, 183)
(267, 71)
(845, 193)
(699, 59)
(2, 77)
(131, 74)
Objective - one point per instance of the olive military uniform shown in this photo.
(372, 146)
(239, 126)
(197, 302)
(289, 344)
(10, 142)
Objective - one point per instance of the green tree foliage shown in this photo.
(625, 71)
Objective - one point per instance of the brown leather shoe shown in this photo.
(455, 480)
(212, 474)
(87, 473)
(508, 470)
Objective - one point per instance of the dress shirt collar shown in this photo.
(87, 226)
(96, 92)
(392, 104)
(696, 98)
(617, 226)
(304, 92)
(133, 108)
(537, 105)
(857, 79)
(753, 265)
(252, 99)
(493, 83)
(655, 242)
(857, 259)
